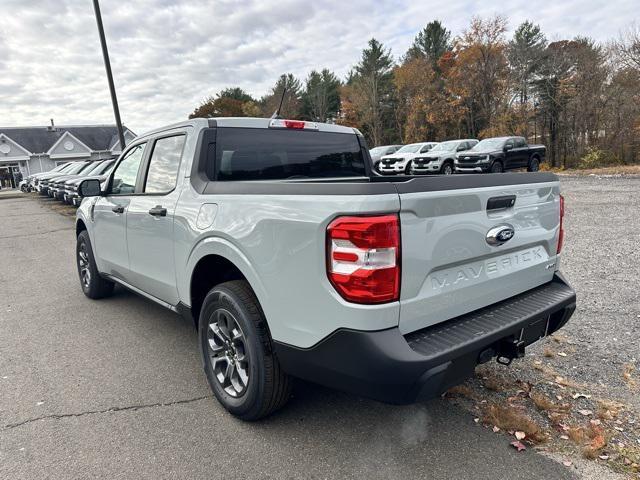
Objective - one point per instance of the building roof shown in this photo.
(41, 139)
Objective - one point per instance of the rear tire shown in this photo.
(534, 165)
(239, 362)
(496, 167)
(93, 285)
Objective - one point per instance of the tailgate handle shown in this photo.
(496, 203)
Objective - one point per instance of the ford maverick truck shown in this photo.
(293, 259)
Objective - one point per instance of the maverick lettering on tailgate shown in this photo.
(497, 266)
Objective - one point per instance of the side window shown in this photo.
(509, 144)
(124, 177)
(164, 163)
(426, 148)
(519, 143)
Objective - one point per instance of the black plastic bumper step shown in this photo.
(492, 323)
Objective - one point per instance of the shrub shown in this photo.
(596, 158)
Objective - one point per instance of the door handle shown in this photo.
(118, 209)
(496, 203)
(158, 211)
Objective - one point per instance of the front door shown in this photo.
(150, 229)
(510, 155)
(109, 211)
(520, 146)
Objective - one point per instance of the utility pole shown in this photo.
(107, 66)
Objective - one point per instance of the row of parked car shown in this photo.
(62, 182)
(466, 155)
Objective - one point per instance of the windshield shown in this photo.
(94, 168)
(62, 168)
(77, 168)
(489, 144)
(103, 167)
(377, 150)
(445, 146)
(413, 148)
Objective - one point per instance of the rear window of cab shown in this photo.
(270, 154)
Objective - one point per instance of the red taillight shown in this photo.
(561, 230)
(363, 258)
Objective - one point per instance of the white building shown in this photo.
(31, 150)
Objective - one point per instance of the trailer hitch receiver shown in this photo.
(508, 349)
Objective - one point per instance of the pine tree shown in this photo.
(525, 53)
(430, 43)
(321, 98)
(291, 102)
(372, 83)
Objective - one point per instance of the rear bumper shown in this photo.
(389, 367)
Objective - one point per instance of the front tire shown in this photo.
(93, 285)
(496, 167)
(239, 362)
(447, 169)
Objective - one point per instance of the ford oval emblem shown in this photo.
(500, 234)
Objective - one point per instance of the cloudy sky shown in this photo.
(168, 55)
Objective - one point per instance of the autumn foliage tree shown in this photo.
(230, 102)
(579, 97)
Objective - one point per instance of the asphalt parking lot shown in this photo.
(115, 388)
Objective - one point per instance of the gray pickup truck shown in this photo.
(294, 259)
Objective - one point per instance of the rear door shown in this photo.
(448, 265)
(150, 220)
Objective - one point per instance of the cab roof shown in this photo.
(245, 122)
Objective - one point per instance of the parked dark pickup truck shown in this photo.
(498, 154)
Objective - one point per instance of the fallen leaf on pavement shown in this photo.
(518, 445)
(567, 463)
(520, 435)
(496, 429)
(586, 413)
(604, 457)
(564, 437)
(562, 354)
(598, 442)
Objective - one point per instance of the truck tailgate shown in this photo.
(449, 268)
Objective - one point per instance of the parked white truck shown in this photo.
(295, 260)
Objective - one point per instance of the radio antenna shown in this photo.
(276, 114)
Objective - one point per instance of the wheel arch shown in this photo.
(80, 226)
(213, 262)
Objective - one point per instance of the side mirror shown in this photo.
(460, 148)
(89, 188)
(508, 147)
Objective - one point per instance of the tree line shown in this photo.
(579, 97)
